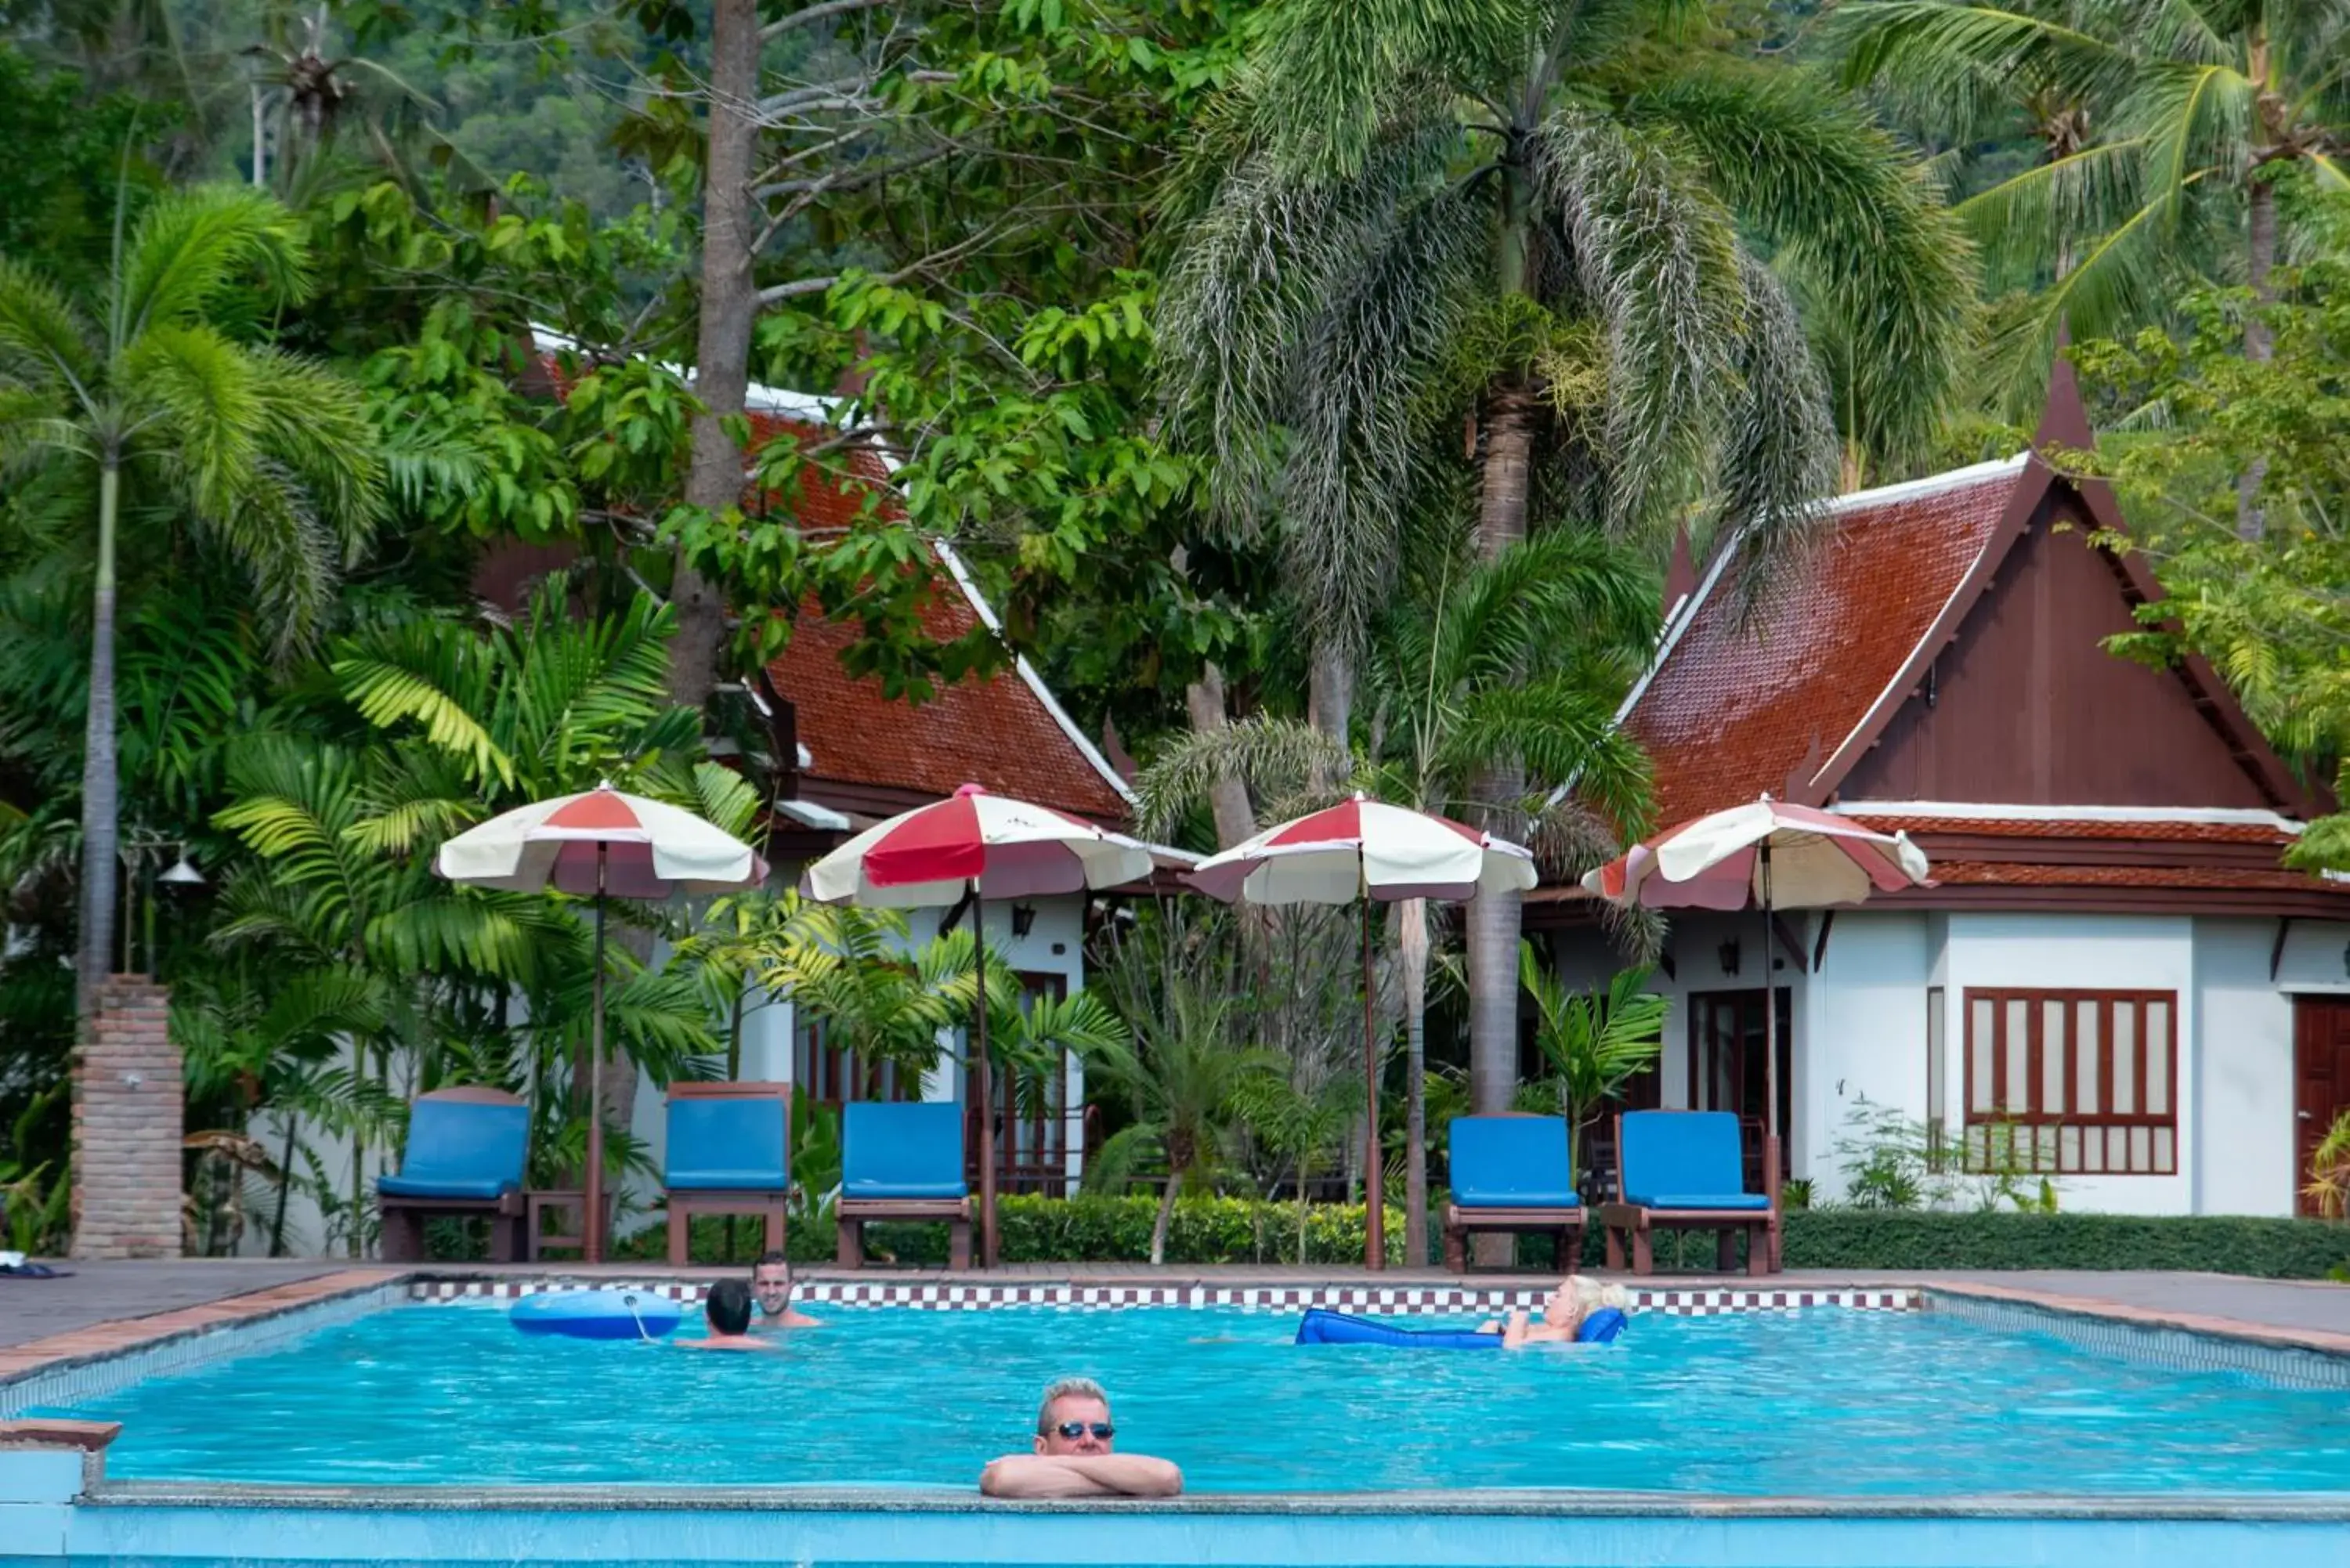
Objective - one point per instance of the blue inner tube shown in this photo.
(1320, 1328)
(597, 1315)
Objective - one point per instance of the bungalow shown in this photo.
(2110, 969)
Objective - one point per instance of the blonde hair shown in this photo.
(1591, 1294)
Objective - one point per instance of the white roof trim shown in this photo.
(1035, 683)
(827, 410)
(809, 814)
(1932, 484)
(2215, 816)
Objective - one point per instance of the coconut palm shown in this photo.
(169, 417)
(2195, 109)
(1525, 656)
(1532, 214)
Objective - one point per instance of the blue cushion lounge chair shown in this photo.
(728, 1154)
(1511, 1173)
(464, 1156)
(903, 1161)
(1683, 1170)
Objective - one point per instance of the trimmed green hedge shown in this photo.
(1244, 1230)
(2223, 1244)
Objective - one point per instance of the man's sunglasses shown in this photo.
(1073, 1430)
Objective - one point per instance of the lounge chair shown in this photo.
(1683, 1170)
(903, 1161)
(464, 1156)
(1511, 1173)
(729, 1153)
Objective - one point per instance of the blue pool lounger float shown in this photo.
(1320, 1328)
(597, 1315)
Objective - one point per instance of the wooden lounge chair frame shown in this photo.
(850, 1216)
(773, 1207)
(1636, 1222)
(400, 1219)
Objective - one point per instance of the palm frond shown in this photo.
(1273, 755)
(193, 245)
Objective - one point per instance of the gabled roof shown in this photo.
(1007, 732)
(1790, 696)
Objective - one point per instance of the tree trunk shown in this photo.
(2259, 346)
(1166, 1215)
(729, 299)
(100, 808)
(1411, 941)
(1330, 698)
(1228, 800)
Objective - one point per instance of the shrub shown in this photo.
(2276, 1249)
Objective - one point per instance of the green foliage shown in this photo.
(2329, 1170)
(1595, 1043)
(1992, 1239)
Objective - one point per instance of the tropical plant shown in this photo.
(2329, 1170)
(2199, 112)
(1522, 658)
(1532, 214)
(1304, 1124)
(855, 972)
(149, 391)
(1595, 1042)
(1176, 983)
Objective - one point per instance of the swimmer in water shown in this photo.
(1577, 1298)
(727, 1311)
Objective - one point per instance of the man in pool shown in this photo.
(1073, 1457)
(771, 1284)
(727, 1311)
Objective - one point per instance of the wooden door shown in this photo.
(2321, 1076)
(1726, 1067)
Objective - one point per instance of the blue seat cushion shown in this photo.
(1511, 1162)
(461, 1148)
(486, 1187)
(1727, 1200)
(910, 1150)
(727, 1144)
(1686, 1160)
(715, 1180)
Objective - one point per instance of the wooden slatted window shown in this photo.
(2072, 1083)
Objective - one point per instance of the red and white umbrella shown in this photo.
(1369, 851)
(969, 845)
(1782, 857)
(599, 844)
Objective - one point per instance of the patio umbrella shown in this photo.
(1360, 851)
(1783, 858)
(975, 842)
(597, 844)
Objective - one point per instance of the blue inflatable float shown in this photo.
(1322, 1327)
(597, 1315)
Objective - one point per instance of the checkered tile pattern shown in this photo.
(944, 1297)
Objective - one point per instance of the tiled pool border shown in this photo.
(2148, 1344)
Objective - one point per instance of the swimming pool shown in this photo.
(1821, 1403)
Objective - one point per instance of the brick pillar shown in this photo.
(129, 1109)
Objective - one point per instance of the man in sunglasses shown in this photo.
(1073, 1457)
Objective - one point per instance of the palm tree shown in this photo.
(1530, 212)
(1595, 1042)
(2195, 109)
(1524, 657)
(146, 390)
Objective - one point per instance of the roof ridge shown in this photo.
(1931, 484)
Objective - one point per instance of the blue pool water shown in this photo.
(1822, 1403)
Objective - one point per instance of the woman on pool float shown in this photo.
(1564, 1313)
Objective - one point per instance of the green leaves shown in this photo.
(1595, 1043)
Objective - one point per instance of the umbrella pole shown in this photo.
(591, 1222)
(1771, 1130)
(987, 1254)
(1374, 1240)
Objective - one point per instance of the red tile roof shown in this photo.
(997, 731)
(2136, 829)
(1732, 710)
(2023, 874)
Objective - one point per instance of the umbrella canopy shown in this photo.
(975, 842)
(1365, 848)
(1368, 850)
(600, 842)
(933, 854)
(1817, 858)
(597, 844)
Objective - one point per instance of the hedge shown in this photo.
(1244, 1230)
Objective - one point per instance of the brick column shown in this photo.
(128, 1110)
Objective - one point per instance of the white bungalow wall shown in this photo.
(1860, 1027)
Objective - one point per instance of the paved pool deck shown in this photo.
(107, 1307)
